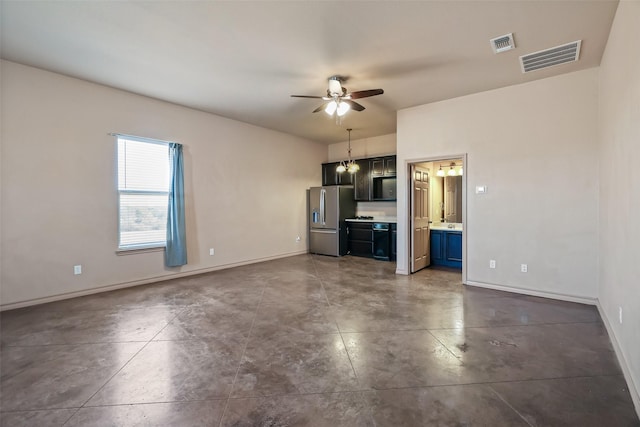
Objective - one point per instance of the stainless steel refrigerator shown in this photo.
(328, 208)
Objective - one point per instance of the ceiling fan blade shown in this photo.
(321, 108)
(354, 105)
(366, 93)
(307, 96)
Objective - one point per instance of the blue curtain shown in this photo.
(176, 250)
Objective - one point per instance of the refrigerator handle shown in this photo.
(323, 192)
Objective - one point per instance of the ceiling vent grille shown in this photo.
(569, 52)
(502, 43)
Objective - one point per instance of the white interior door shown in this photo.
(420, 256)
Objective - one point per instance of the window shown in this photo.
(143, 188)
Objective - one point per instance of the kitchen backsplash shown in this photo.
(376, 209)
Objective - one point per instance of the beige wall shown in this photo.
(245, 186)
(541, 205)
(363, 148)
(619, 152)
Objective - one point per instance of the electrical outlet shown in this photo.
(77, 269)
(298, 239)
(212, 252)
(492, 263)
(620, 314)
(524, 268)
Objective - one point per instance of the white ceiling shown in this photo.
(243, 59)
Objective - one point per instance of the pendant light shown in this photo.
(440, 171)
(350, 166)
(451, 171)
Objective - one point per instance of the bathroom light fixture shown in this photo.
(453, 170)
(349, 166)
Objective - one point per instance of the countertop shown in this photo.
(387, 219)
(446, 226)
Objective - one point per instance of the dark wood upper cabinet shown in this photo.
(390, 166)
(362, 181)
(374, 181)
(377, 167)
(331, 177)
(383, 166)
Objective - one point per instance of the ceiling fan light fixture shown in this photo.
(331, 108)
(342, 108)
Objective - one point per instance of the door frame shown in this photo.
(409, 194)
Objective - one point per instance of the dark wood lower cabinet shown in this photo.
(364, 241)
(394, 239)
(360, 239)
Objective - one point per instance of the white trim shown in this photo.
(141, 139)
(535, 293)
(146, 281)
(140, 249)
(633, 388)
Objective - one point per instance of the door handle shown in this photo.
(323, 193)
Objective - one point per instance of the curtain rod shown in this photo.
(141, 138)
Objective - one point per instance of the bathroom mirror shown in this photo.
(445, 190)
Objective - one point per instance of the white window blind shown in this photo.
(143, 187)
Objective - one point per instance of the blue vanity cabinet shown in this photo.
(446, 248)
(437, 244)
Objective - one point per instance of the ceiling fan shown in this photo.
(338, 100)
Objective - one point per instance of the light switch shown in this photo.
(481, 189)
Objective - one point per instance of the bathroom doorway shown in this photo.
(437, 207)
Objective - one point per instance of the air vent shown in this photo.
(502, 43)
(569, 52)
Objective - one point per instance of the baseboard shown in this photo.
(146, 281)
(622, 360)
(535, 293)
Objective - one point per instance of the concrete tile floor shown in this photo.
(310, 340)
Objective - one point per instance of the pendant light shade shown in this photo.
(451, 172)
